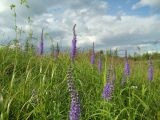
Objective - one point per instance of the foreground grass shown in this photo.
(35, 87)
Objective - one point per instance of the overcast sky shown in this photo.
(122, 24)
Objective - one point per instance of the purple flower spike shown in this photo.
(75, 102)
(150, 73)
(127, 67)
(150, 70)
(107, 91)
(75, 110)
(93, 55)
(41, 44)
(109, 87)
(74, 41)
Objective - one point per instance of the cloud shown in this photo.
(93, 24)
(151, 3)
(3, 7)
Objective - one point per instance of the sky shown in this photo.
(115, 24)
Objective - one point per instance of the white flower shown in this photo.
(13, 46)
(134, 87)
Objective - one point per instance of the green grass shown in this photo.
(35, 87)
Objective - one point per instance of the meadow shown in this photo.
(75, 84)
(35, 87)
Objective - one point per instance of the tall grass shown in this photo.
(35, 87)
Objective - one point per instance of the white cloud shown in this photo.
(93, 24)
(150, 3)
(3, 7)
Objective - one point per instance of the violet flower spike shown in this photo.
(99, 65)
(74, 41)
(107, 91)
(109, 87)
(75, 102)
(93, 55)
(150, 70)
(127, 67)
(75, 109)
(41, 44)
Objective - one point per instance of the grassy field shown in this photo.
(35, 87)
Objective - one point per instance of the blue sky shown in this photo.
(121, 24)
(125, 7)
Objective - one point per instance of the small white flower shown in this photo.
(134, 87)
(15, 45)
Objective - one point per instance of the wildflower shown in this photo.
(75, 103)
(16, 45)
(41, 44)
(134, 87)
(127, 67)
(107, 92)
(126, 72)
(93, 55)
(109, 87)
(74, 41)
(75, 109)
(150, 70)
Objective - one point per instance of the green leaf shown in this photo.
(141, 101)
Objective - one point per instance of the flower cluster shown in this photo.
(150, 70)
(127, 67)
(107, 91)
(75, 103)
(109, 87)
(74, 41)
